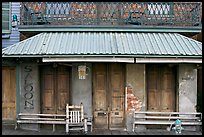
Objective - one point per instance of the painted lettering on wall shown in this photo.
(28, 88)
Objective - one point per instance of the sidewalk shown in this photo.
(9, 130)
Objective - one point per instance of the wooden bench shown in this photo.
(73, 119)
(27, 118)
(166, 118)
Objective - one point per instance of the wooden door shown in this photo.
(62, 92)
(55, 89)
(161, 87)
(8, 93)
(100, 103)
(116, 96)
(108, 95)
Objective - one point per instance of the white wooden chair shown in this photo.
(75, 118)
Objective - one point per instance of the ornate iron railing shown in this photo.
(112, 13)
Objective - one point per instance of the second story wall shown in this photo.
(14, 36)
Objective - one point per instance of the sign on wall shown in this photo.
(29, 88)
(29, 92)
(82, 72)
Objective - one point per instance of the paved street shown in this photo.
(9, 130)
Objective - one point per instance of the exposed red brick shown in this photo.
(133, 102)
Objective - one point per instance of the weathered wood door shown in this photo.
(55, 89)
(8, 93)
(161, 87)
(108, 95)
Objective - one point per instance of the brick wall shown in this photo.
(133, 102)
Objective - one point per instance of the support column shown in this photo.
(187, 89)
(29, 92)
(135, 93)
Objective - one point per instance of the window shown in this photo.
(58, 8)
(159, 9)
(6, 17)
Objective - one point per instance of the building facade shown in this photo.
(100, 55)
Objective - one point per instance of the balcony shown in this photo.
(112, 13)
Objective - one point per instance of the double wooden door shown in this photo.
(161, 87)
(108, 95)
(55, 85)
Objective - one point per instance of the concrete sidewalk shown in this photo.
(9, 130)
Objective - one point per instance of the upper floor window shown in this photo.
(58, 8)
(159, 9)
(6, 17)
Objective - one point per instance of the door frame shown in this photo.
(55, 85)
(174, 69)
(108, 97)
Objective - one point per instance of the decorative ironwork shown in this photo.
(112, 13)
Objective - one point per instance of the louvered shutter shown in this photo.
(6, 17)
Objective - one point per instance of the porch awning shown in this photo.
(127, 45)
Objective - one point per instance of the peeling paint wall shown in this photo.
(133, 102)
(135, 91)
(187, 88)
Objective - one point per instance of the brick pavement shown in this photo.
(9, 130)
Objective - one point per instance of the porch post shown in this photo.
(67, 118)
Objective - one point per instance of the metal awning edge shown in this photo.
(92, 28)
(126, 60)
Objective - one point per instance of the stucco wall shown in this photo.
(82, 88)
(187, 88)
(135, 81)
(29, 91)
(135, 77)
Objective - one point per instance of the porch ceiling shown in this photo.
(106, 44)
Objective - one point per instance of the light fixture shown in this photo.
(14, 21)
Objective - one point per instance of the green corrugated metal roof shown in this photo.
(128, 44)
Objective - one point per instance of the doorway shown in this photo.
(55, 87)
(108, 95)
(161, 90)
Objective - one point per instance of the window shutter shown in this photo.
(6, 17)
